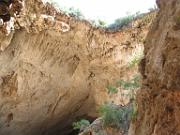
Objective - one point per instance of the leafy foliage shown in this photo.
(121, 22)
(75, 12)
(134, 61)
(81, 125)
(112, 89)
(133, 84)
(116, 117)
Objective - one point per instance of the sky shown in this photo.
(107, 10)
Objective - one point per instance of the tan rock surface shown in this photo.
(159, 99)
(54, 68)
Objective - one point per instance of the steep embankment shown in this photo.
(159, 99)
(53, 69)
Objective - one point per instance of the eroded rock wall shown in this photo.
(159, 99)
(54, 68)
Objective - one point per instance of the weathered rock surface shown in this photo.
(159, 99)
(54, 68)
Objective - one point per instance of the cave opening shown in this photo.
(66, 127)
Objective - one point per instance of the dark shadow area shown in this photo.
(65, 127)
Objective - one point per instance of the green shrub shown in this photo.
(75, 12)
(130, 85)
(112, 89)
(121, 22)
(81, 125)
(115, 116)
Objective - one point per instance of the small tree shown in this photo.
(121, 22)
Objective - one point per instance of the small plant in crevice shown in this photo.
(128, 88)
(132, 84)
(177, 23)
(135, 60)
(111, 89)
(81, 124)
(177, 19)
(134, 111)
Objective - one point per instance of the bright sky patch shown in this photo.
(108, 10)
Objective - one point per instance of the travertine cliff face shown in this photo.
(159, 99)
(54, 68)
